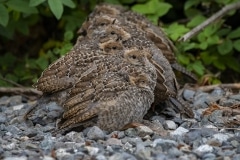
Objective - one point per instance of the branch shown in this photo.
(211, 87)
(210, 20)
(19, 90)
(10, 81)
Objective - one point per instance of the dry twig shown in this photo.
(20, 90)
(209, 21)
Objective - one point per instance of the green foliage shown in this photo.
(34, 33)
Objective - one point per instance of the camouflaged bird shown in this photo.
(117, 69)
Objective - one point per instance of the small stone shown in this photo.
(15, 100)
(174, 152)
(221, 137)
(61, 152)
(131, 132)
(75, 137)
(164, 143)
(13, 129)
(122, 156)
(47, 143)
(114, 141)
(128, 146)
(204, 148)
(180, 131)
(143, 131)
(200, 100)
(236, 157)
(214, 142)
(100, 157)
(216, 117)
(168, 124)
(188, 95)
(131, 140)
(234, 143)
(217, 92)
(48, 158)
(92, 150)
(95, 133)
(142, 152)
(16, 158)
(209, 156)
(18, 107)
(3, 118)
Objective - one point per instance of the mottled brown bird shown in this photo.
(118, 67)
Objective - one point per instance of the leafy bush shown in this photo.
(34, 33)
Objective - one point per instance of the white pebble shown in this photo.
(204, 148)
(221, 137)
(180, 131)
(18, 107)
(168, 124)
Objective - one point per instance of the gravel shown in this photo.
(209, 135)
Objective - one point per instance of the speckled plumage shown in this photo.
(117, 69)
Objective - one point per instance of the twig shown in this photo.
(11, 82)
(218, 128)
(210, 20)
(211, 87)
(19, 90)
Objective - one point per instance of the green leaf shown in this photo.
(196, 21)
(21, 6)
(4, 15)
(207, 58)
(234, 34)
(152, 7)
(34, 3)
(223, 32)
(236, 45)
(42, 62)
(226, 47)
(56, 7)
(176, 30)
(210, 30)
(219, 65)
(203, 45)
(191, 3)
(69, 3)
(68, 36)
(162, 8)
(198, 67)
(184, 59)
(213, 40)
(233, 63)
(192, 12)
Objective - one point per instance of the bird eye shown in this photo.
(114, 47)
(134, 57)
(102, 24)
(112, 32)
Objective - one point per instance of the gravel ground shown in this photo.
(214, 133)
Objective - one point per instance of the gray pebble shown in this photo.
(180, 131)
(131, 132)
(168, 124)
(15, 100)
(3, 118)
(188, 95)
(209, 156)
(122, 156)
(16, 158)
(95, 133)
(114, 141)
(143, 131)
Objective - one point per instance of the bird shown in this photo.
(118, 68)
